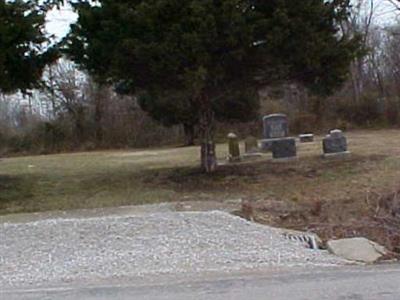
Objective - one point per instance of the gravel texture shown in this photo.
(58, 251)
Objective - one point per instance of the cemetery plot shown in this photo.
(311, 190)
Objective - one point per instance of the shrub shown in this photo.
(366, 112)
(53, 135)
(392, 111)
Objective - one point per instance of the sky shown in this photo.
(385, 12)
(58, 21)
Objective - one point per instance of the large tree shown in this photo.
(180, 109)
(212, 50)
(24, 46)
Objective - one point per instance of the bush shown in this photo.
(19, 143)
(53, 136)
(367, 112)
(392, 111)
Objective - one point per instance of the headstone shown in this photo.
(251, 145)
(234, 150)
(336, 133)
(275, 126)
(306, 138)
(335, 144)
(284, 148)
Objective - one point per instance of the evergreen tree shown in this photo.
(179, 109)
(210, 51)
(172, 109)
(24, 48)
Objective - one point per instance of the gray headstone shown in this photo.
(275, 126)
(234, 149)
(336, 133)
(306, 138)
(284, 148)
(334, 144)
(251, 145)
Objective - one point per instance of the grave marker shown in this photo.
(234, 149)
(284, 148)
(335, 144)
(275, 126)
(251, 145)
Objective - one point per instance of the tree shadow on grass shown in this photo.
(235, 176)
(14, 190)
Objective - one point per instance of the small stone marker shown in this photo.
(284, 148)
(276, 126)
(251, 145)
(306, 138)
(335, 144)
(234, 150)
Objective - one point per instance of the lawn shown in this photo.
(115, 178)
(308, 193)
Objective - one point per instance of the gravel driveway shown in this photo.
(59, 251)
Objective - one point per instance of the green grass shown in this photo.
(116, 178)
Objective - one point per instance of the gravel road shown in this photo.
(94, 250)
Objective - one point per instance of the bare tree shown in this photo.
(359, 22)
(392, 58)
(66, 89)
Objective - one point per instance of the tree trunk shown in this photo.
(207, 127)
(189, 134)
(98, 113)
(79, 125)
(355, 81)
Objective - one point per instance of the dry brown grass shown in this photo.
(321, 191)
(111, 178)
